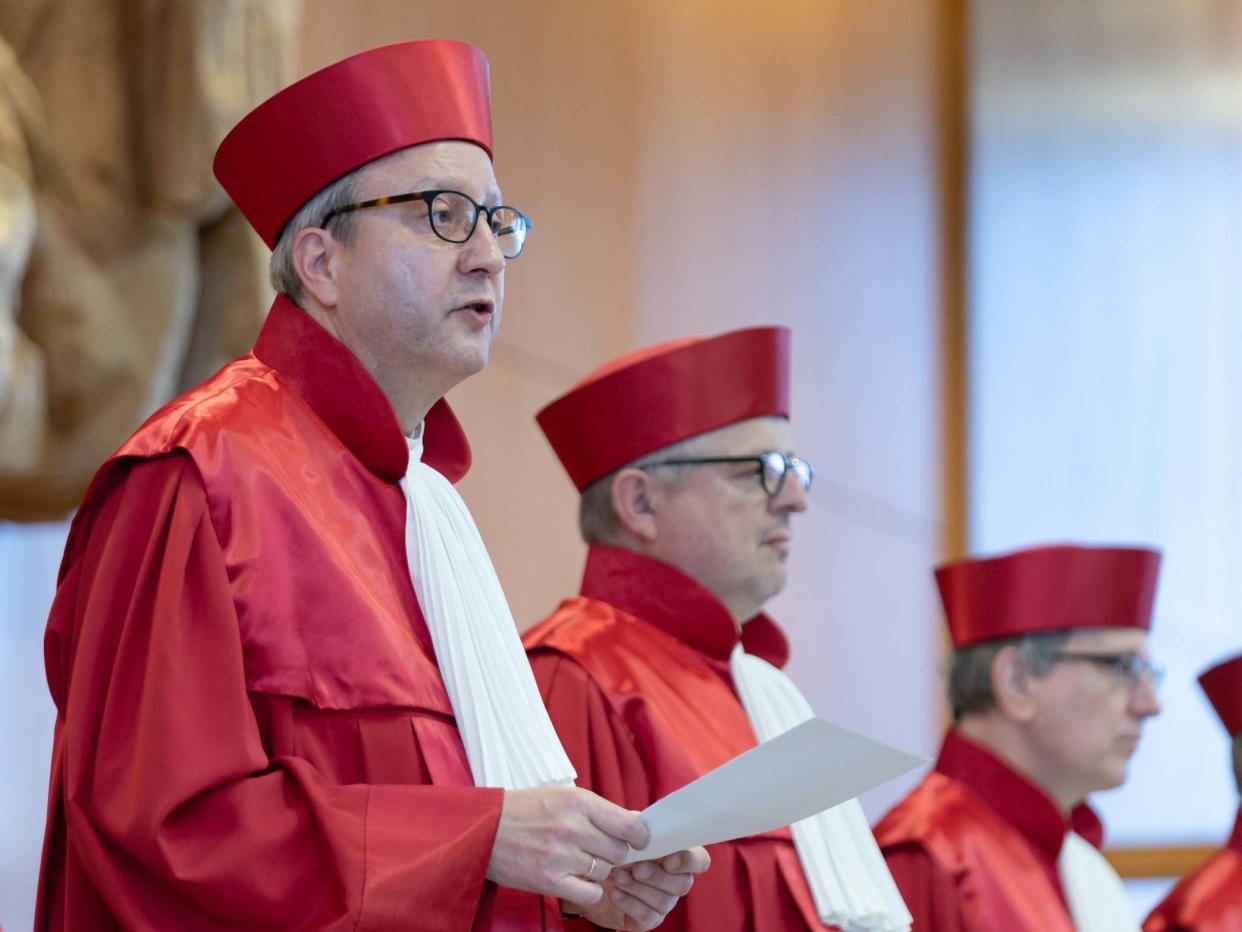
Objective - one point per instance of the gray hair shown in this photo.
(281, 271)
(1237, 760)
(597, 520)
(970, 671)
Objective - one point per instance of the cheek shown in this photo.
(708, 540)
(738, 528)
(1092, 726)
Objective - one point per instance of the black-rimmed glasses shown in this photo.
(1127, 667)
(454, 215)
(773, 466)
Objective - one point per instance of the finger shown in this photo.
(577, 891)
(607, 851)
(597, 870)
(650, 874)
(651, 894)
(625, 825)
(690, 861)
(638, 913)
(605, 847)
(640, 837)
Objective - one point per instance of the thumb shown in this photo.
(623, 824)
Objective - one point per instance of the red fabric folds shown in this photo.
(1210, 898)
(252, 731)
(974, 847)
(644, 705)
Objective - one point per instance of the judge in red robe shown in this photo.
(1210, 898)
(253, 730)
(682, 453)
(635, 674)
(1049, 686)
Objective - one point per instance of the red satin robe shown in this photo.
(252, 731)
(974, 847)
(1209, 899)
(635, 674)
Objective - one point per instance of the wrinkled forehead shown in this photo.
(451, 164)
(754, 435)
(1109, 640)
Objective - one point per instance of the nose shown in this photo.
(1144, 700)
(481, 252)
(791, 497)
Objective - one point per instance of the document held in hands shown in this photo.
(806, 770)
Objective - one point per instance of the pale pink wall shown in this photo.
(792, 148)
(692, 167)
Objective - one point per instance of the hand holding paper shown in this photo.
(809, 768)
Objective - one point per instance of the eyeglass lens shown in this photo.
(453, 217)
(776, 465)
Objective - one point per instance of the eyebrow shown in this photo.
(491, 197)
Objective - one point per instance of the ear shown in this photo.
(1012, 685)
(316, 256)
(631, 497)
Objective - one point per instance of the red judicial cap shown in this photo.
(1048, 589)
(647, 399)
(299, 141)
(1223, 685)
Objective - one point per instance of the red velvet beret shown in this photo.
(1223, 685)
(299, 141)
(1048, 589)
(646, 400)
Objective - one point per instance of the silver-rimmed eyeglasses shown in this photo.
(1126, 668)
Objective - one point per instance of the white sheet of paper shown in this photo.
(808, 769)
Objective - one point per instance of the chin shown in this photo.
(1113, 777)
(469, 360)
(772, 589)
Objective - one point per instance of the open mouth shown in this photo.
(480, 311)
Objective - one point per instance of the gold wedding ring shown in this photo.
(591, 870)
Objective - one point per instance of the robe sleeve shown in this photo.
(601, 747)
(169, 803)
(1157, 921)
(929, 890)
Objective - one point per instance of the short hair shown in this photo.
(970, 671)
(281, 272)
(597, 521)
(1237, 760)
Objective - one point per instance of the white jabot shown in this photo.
(1096, 896)
(509, 738)
(852, 886)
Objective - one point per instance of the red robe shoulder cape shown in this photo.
(1209, 899)
(974, 847)
(635, 675)
(252, 731)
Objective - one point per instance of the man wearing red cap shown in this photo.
(1210, 898)
(289, 689)
(1049, 686)
(665, 667)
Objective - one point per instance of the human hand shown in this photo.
(639, 896)
(562, 841)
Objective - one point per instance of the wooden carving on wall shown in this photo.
(125, 273)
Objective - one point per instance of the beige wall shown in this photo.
(693, 167)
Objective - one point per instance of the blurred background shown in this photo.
(1006, 234)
